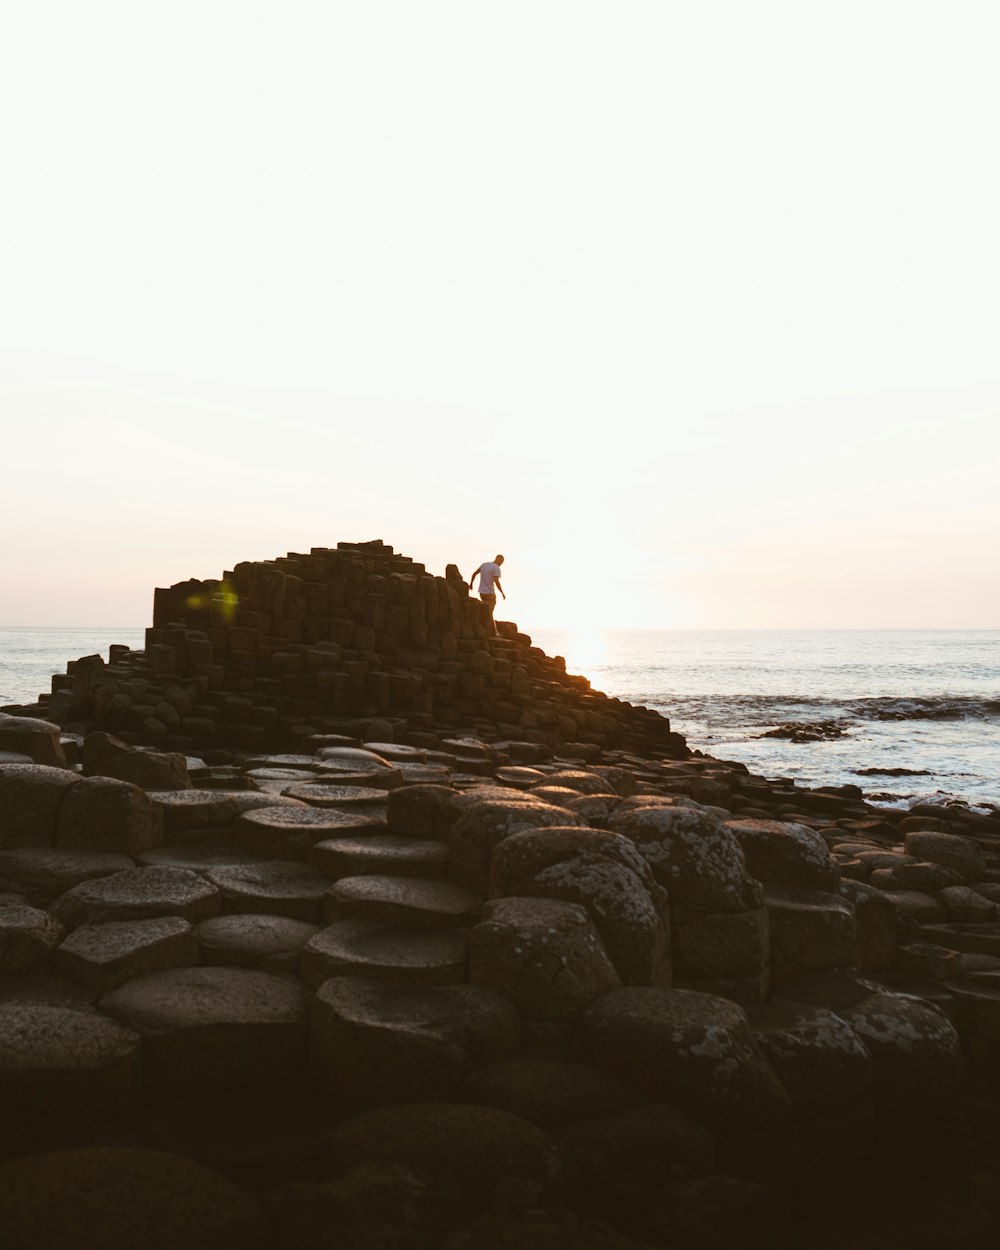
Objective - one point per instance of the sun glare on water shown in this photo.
(585, 649)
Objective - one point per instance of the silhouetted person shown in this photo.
(489, 576)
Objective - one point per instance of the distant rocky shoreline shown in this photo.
(328, 919)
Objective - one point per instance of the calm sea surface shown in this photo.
(923, 700)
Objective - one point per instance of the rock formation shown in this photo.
(330, 920)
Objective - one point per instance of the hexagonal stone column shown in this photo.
(373, 1043)
(59, 1065)
(208, 1028)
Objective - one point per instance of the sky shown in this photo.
(691, 310)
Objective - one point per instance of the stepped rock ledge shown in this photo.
(331, 919)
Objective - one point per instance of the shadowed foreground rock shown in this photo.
(330, 920)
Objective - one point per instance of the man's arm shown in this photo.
(496, 582)
(473, 578)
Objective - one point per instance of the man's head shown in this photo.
(498, 560)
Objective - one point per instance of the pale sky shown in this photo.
(692, 310)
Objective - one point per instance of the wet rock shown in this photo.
(118, 1198)
(962, 855)
(59, 1065)
(691, 1050)
(102, 814)
(375, 1043)
(786, 855)
(27, 934)
(545, 956)
(815, 731)
(30, 798)
(139, 894)
(101, 956)
(385, 952)
(207, 1028)
(271, 943)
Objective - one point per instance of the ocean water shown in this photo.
(927, 701)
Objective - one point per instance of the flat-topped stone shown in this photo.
(381, 853)
(396, 752)
(367, 948)
(65, 1064)
(27, 934)
(30, 798)
(282, 761)
(43, 873)
(101, 956)
(387, 778)
(337, 794)
(521, 777)
(202, 809)
(197, 857)
(278, 888)
(38, 739)
(352, 759)
(105, 814)
(271, 943)
(403, 901)
(293, 830)
(375, 1043)
(139, 894)
(424, 774)
(205, 1028)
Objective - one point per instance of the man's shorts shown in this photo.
(489, 600)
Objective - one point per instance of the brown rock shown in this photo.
(102, 814)
(545, 956)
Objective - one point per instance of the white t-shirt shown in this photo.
(488, 574)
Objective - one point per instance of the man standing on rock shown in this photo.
(489, 576)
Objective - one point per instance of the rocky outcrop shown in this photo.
(405, 975)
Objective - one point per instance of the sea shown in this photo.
(908, 715)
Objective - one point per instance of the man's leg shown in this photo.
(491, 604)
